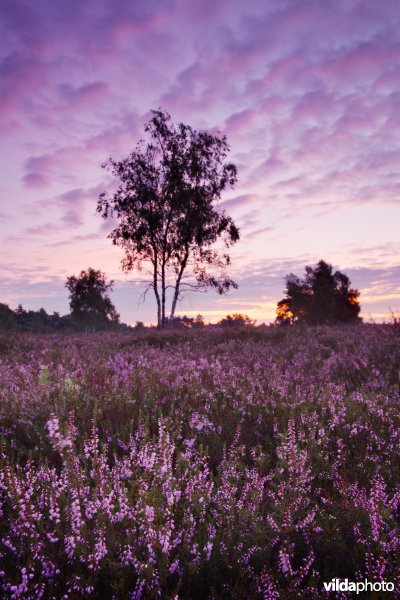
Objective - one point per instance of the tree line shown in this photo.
(322, 297)
(90, 305)
(39, 321)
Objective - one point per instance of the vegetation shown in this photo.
(165, 210)
(322, 297)
(91, 309)
(89, 301)
(219, 463)
(187, 322)
(235, 320)
(30, 320)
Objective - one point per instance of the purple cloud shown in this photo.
(83, 96)
(35, 179)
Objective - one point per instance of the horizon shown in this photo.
(307, 95)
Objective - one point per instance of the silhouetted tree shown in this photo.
(165, 210)
(32, 320)
(7, 317)
(89, 301)
(187, 322)
(181, 322)
(199, 321)
(322, 297)
(235, 320)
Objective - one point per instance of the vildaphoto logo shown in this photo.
(344, 585)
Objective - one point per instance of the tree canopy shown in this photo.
(33, 320)
(166, 214)
(236, 320)
(89, 301)
(321, 297)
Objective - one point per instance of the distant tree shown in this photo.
(20, 310)
(235, 320)
(321, 297)
(58, 322)
(31, 320)
(165, 210)
(7, 317)
(187, 322)
(181, 322)
(89, 301)
(198, 321)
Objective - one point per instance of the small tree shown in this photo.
(199, 321)
(187, 322)
(322, 297)
(89, 301)
(236, 320)
(165, 210)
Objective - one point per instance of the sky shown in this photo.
(306, 91)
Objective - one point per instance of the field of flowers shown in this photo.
(210, 465)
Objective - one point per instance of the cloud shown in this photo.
(76, 198)
(244, 200)
(43, 229)
(82, 96)
(43, 170)
(72, 218)
(36, 179)
(262, 231)
(20, 78)
(75, 240)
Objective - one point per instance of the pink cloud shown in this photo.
(72, 218)
(238, 202)
(83, 96)
(40, 170)
(318, 106)
(35, 179)
(360, 65)
(20, 78)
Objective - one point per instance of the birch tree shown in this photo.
(166, 214)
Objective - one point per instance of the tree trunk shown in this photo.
(155, 288)
(157, 295)
(177, 284)
(163, 295)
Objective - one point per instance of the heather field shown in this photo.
(215, 464)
